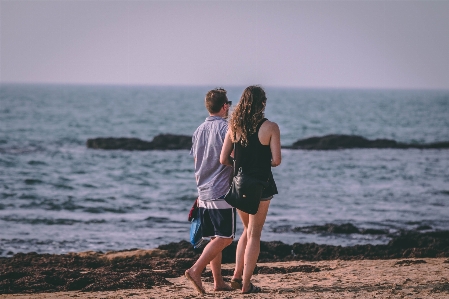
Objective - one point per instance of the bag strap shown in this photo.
(260, 124)
(236, 160)
(234, 156)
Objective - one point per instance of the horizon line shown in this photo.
(221, 85)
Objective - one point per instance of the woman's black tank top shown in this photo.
(255, 158)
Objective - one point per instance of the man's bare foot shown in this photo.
(222, 287)
(195, 280)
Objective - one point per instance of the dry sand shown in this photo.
(393, 278)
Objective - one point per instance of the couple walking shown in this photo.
(257, 149)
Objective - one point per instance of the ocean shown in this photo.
(58, 196)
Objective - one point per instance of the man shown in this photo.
(213, 180)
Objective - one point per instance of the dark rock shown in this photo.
(169, 141)
(407, 244)
(346, 228)
(373, 231)
(437, 145)
(274, 250)
(336, 141)
(30, 273)
(404, 242)
(119, 143)
(79, 283)
(181, 249)
(441, 287)
(423, 227)
(160, 142)
(328, 142)
(409, 262)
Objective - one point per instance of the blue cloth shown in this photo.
(213, 179)
(196, 232)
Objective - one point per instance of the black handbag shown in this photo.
(245, 192)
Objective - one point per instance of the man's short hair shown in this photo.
(215, 99)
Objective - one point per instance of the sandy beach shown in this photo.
(411, 265)
(393, 278)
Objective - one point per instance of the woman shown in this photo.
(257, 149)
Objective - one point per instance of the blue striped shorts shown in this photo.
(218, 218)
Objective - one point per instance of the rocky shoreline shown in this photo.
(335, 141)
(134, 269)
(328, 142)
(160, 142)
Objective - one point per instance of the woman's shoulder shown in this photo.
(269, 125)
(267, 131)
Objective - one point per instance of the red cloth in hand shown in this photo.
(193, 209)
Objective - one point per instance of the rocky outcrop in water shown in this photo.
(346, 228)
(328, 142)
(160, 142)
(334, 142)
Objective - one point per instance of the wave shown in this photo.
(158, 219)
(51, 206)
(101, 210)
(48, 221)
(16, 150)
(34, 162)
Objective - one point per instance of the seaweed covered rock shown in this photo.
(341, 141)
(159, 142)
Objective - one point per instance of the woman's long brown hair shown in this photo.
(247, 114)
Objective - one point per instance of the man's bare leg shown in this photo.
(215, 266)
(211, 250)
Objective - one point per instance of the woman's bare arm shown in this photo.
(226, 150)
(275, 145)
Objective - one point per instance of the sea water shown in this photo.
(58, 196)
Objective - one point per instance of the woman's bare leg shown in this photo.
(254, 231)
(241, 246)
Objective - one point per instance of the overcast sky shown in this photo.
(342, 44)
